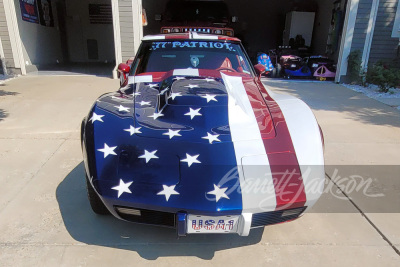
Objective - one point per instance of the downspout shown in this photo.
(2, 59)
(117, 36)
(137, 24)
(370, 35)
(347, 38)
(15, 38)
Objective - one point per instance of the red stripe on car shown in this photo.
(285, 169)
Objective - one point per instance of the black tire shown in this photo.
(278, 70)
(82, 130)
(97, 205)
(273, 73)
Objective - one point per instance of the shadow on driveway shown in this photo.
(6, 93)
(3, 113)
(149, 242)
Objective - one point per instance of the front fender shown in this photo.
(307, 141)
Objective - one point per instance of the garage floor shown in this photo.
(45, 218)
(74, 69)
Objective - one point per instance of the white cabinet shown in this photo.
(299, 23)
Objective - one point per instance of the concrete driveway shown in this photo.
(45, 218)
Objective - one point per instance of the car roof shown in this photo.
(189, 35)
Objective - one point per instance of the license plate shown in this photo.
(211, 224)
(293, 65)
(314, 65)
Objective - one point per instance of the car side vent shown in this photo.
(146, 216)
(273, 217)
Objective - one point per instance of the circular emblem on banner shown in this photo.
(195, 61)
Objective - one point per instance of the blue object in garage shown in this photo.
(302, 72)
(264, 59)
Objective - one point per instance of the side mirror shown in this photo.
(123, 71)
(124, 68)
(260, 69)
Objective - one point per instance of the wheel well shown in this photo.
(82, 129)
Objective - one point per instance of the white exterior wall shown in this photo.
(40, 45)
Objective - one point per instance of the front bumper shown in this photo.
(179, 220)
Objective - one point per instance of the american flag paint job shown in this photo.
(194, 140)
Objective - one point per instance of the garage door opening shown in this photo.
(67, 36)
(266, 25)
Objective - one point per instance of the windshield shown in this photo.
(163, 56)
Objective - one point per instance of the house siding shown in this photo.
(5, 38)
(361, 26)
(384, 46)
(126, 29)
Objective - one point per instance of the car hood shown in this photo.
(126, 143)
(194, 107)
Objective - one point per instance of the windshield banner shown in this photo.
(192, 44)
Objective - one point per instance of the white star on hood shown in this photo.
(173, 95)
(209, 97)
(156, 115)
(211, 138)
(191, 159)
(219, 193)
(209, 80)
(132, 130)
(193, 112)
(135, 94)
(149, 155)
(168, 191)
(122, 187)
(107, 150)
(152, 85)
(191, 86)
(121, 108)
(172, 133)
(96, 117)
(144, 103)
(164, 90)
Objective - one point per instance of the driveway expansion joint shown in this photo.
(393, 246)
